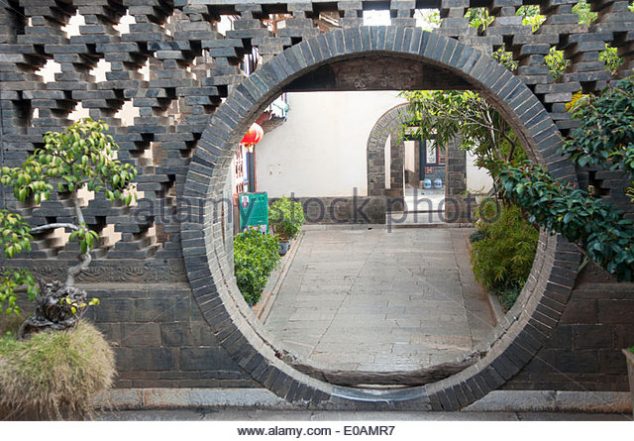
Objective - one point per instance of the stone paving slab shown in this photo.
(155, 401)
(293, 415)
(377, 300)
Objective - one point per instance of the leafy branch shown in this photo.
(605, 135)
(445, 115)
(605, 236)
(84, 155)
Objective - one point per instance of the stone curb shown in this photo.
(554, 401)
(272, 287)
(496, 401)
(164, 398)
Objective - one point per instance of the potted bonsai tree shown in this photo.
(287, 218)
(77, 362)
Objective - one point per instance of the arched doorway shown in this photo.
(397, 168)
(527, 325)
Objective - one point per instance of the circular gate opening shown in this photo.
(516, 339)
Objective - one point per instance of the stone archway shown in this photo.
(525, 328)
(387, 126)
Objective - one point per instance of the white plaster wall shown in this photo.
(410, 155)
(479, 180)
(321, 149)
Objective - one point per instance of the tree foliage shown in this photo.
(605, 135)
(83, 155)
(606, 237)
(445, 115)
(604, 138)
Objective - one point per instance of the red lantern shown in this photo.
(253, 136)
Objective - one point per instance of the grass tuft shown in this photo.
(54, 375)
(10, 323)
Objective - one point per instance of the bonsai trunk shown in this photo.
(56, 302)
(84, 258)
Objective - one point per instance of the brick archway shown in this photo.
(387, 126)
(525, 328)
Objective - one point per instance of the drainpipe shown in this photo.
(251, 169)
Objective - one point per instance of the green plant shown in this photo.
(603, 233)
(585, 14)
(505, 58)
(503, 256)
(83, 155)
(427, 19)
(604, 138)
(531, 16)
(286, 217)
(610, 57)
(479, 18)
(556, 63)
(255, 255)
(10, 324)
(477, 236)
(605, 135)
(54, 375)
(443, 115)
(508, 296)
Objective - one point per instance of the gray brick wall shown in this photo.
(193, 69)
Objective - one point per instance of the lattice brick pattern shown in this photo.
(174, 61)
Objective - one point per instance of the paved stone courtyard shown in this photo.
(370, 299)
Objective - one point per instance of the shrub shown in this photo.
(287, 218)
(54, 375)
(503, 256)
(255, 255)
